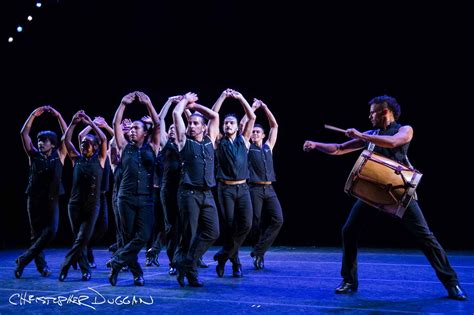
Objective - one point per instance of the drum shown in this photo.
(382, 183)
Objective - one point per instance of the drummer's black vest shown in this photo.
(398, 154)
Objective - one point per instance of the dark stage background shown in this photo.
(312, 63)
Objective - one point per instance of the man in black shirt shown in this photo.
(84, 202)
(44, 186)
(199, 222)
(233, 192)
(391, 140)
(267, 213)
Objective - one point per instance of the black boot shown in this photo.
(220, 264)
(193, 279)
(63, 272)
(114, 271)
(258, 262)
(20, 266)
(201, 263)
(346, 288)
(455, 292)
(237, 271)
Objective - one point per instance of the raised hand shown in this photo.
(256, 103)
(175, 99)
(78, 117)
(39, 111)
(86, 119)
(228, 92)
(126, 124)
(143, 98)
(236, 94)
(100, 122)
(191, 97)
(128, 99)
(147, 119)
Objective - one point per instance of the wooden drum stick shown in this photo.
(334, 128)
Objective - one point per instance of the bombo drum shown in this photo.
(382, 183)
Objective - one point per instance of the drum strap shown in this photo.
(371, 144)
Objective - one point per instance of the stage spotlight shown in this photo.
(19, 29)
(10, 39)
(38, 4)
(29, 18)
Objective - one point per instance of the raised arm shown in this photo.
(211, 116)
(403, 136)
(178, 121)
(155, 137)
(117, 122)
(273, 133)
(102, 138)
(247, 132)
(84, 132)
(25, 131)
(67, 137)
(218, 104)
(164, 111)
(62, 124)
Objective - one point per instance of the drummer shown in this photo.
(390, 139)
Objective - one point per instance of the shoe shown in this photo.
(92, 264)
(237, 271)
(202, 264)
(113, 248)
(220, 265)
(19, 268)
(63, 272)
(258, 262)
(181, 272)
(172, 271)
(114, 271)
(346, 288)
(455, 292)
(193, 280)
(45, 272)
(139, 281)
(148, 262)
(125, 269)
(86, 276)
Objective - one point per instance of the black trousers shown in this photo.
(169, 202)
(118, 223)
(82, 216)
(136, 217)
(267, 217)
(158, 235)
(101, 225)
(416, 225)
(236, 213)
(199, 223)
(43, 214)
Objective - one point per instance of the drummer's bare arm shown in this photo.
(334, 148)
(403, 136)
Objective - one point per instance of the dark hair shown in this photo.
(231, 115)
(94, 138)
(387, 102)
(259, 126)
(146, 125)
(203, 119)
(48, 135)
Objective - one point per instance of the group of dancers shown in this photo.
(163, 187)
(170, 174)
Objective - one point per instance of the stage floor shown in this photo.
(295, 280)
